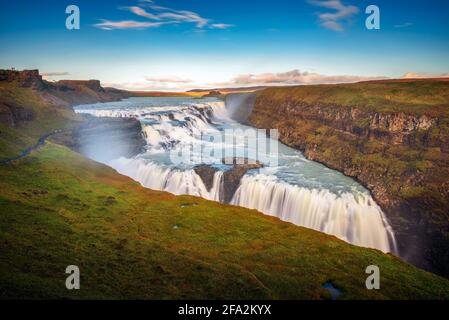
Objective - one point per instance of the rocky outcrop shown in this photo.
(239, 105)
(26, 78)
(104, 139)
(11, 114)
(213, 94)
(64, 93)
(238, 167)
(71, 93)
(69, 84)
(401, 156)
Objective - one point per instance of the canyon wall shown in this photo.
(64, 94)
(105, 139)
(37, 107)
(393, 137)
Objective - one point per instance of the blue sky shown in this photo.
(182, 44)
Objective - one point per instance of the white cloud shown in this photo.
(127, 24)
(162, 14)
(423, 75)
(171, 79)
(55, 74)
(220, 26)
(51, 75)
(293, 77)
(159, 83)
(141, 12)
(333, 20)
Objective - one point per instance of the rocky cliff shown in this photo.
(26, 78)
(64, 93)
(237, 168)
(34, 107)
(104, 139)
(393, 137)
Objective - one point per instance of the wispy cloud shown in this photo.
(141, 12)
(403, 25)
(160, 15)
(293, 77)
(424, 75)
(55, 74)
(334, 20)
(159, 83)
(170, 79)
(127, 24)
(50, 75)
(221, 25)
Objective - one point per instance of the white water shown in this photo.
(178, 182)
(354, 218)
(296, 190)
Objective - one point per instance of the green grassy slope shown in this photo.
(131, 242)
(47, 117)
(424, 96)
(58, 208)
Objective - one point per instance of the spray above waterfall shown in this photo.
(288, 186)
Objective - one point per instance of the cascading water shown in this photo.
(353, 218)
(178, 182)
(295, 189)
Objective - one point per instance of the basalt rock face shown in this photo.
(11, 114)
(231, 177)
(104, 139)
(26, 78)
(401, 157)
(392, 128)
(239, 106)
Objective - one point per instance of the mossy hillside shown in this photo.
(47, 117)
(59, 209)
(425, 96)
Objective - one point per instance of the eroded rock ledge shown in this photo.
(231, 178)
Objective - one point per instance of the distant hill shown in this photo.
(231, 90)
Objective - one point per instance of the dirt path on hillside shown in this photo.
(28, 150)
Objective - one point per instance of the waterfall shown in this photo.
(353, 218)
(297, 191)
(178, 182)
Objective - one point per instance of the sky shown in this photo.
(184, 44)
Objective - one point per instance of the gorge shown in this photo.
(295, 190)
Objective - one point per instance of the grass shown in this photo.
(133, 243)
(47, 118)
(428, 97)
